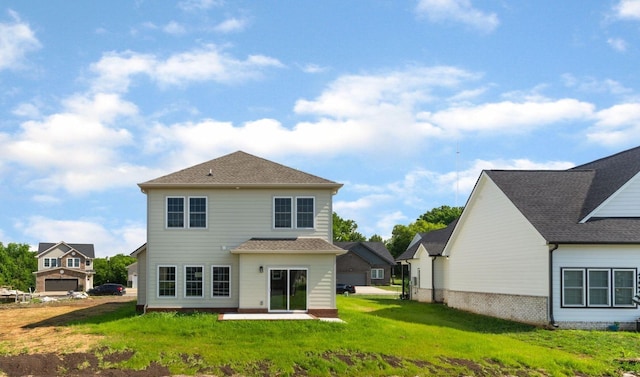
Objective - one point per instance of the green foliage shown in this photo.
(442, 215)
(402, 235)
(375, 238)
(112, 270)
(17, 264)
(381, 337)
(345, 230)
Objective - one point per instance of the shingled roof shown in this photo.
(433, 241)
(555, 202)
(376, 248)
(85, 249)
(299, 245)
(240, 169)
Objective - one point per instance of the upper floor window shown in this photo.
(73, 262)
(195, 212)
(50, 262)
(286, 215)
(598, 287)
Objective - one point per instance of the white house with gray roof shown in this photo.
(549, 247)
(239, 233)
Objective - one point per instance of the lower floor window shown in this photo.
(220, 281)
(598, 287)
(193, 281)
(166, 281)
(377, 273)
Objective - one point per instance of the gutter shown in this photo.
(433, 278)
(552, 321)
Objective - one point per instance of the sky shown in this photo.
(403, 102)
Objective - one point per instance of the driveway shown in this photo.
(371, 290)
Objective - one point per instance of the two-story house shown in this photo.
(239, 233)
(64, 267)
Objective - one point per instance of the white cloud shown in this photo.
(27, 110)
(174, 28)
(592, 85)
(617, 44)
(208, 63)
(16, 40)
(107, 242)
(617, 125)
(461, 11)
(628, 9)
(313, 68)
(198, 5)
(509, 116)
(231, 25)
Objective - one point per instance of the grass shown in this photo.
(382, 336)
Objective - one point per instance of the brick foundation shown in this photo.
(526, 309)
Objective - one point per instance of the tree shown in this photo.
(345, 230)
(375, 238)
(402, 235)
(442, 215)
(112, 270)
(17, 265)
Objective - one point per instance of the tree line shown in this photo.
(18, 263)
(401, 235)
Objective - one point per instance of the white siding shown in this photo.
(597, 256)
(56, 253)
(624, 203)
(142, 277)
(494, 249)
(234, 216)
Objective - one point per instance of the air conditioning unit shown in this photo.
(414, 281)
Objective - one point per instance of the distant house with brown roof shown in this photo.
(239, 233)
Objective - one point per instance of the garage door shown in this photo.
(60, 285)
(359, 278)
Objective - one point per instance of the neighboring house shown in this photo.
(426, 265)
(132, 275)
(365, 263)
(239, 233)
(550, 247)
(64, 267)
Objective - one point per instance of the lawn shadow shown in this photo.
(441, 315)
(109, 311)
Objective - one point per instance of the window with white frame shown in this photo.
(305, 212)
(220, 281)
(166, 281)
(73, 262)
(175, 212)
(50, 262)
(289, 213)
(188, 212)
(377, 273)
(193, 281)
(598, 287)
(197, 212)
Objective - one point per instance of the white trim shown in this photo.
(212, 281)
(608, 287)
(184, 282)
(609, 199)
(313, 218)
(157, 289)
(166, 212)
(206, 212)
(273, 212)
(378, 270)
(613, 287)
(583, 288)
(73, 259)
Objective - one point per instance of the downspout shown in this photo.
(552, 321)
(408, 296)
(433, 278)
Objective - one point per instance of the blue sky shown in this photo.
(404, 102)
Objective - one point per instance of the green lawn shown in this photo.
(382, 337)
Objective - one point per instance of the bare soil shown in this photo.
(40, 344)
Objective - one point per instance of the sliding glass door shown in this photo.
(287, 289)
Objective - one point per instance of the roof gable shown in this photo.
(433, 242)
(367, 250)
(85, 249)
(240, 169)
